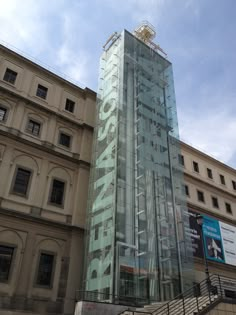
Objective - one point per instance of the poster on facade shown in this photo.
(228, 234)
(219, 239)
(213, 240)
(195, 234)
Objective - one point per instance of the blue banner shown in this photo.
(213, 240)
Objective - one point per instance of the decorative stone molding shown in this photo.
(69, 219)
(36, 211)
(76, 156)
(48, 145)
(14, 131)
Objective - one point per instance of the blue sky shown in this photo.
(198, 35)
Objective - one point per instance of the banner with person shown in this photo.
(212, 239)
(219, 239)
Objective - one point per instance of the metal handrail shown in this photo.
(207, 286)
(195, 299)
(207, 292)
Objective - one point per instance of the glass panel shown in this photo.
(3, 112)
(222, 179)
(195, 167)
(136, 180)
(10, 76)
(200, 196)
(42, 91)
(64, 140)
(6, 255)
(234, 184)
(45, 269)
(33, 127)
(70, 105)
(57, 192)
(228, 208)
(21, 181)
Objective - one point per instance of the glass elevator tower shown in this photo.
(136, 246)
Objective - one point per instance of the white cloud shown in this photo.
(138, 10)
(21, 25)
(64, 33)
(71, 57)
(213, 132)
(74, 64)
(27, 25)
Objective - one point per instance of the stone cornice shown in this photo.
(215, 215)
(199, 179)
(206, 156)
(40, 220)
(82, 91)
(48, 148)
(30, 102)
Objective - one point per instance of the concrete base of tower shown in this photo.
(93, 308)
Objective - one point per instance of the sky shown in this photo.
(198, 36)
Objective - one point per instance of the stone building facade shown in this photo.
(210, 189)
(46, 128)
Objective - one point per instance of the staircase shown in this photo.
(195, 301)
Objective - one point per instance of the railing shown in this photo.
(193, 301)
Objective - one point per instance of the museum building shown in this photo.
(142, 239)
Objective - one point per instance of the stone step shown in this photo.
(192, 305)
(176, 306)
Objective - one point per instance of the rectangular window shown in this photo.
(195, 167)
(234, 185)
(228, 207)
(64, 139)
(186, 190)
(42, 91)
(222, 179)
(57, 192)
(209, 173)
(181, 159)
(215, 202)
(10, 76)
(21, 181)
(6, 256)
(33, 127)
(70, 105)
(200, 196)
(3, 113)
(45, 270)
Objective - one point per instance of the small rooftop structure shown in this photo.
(146, 33)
